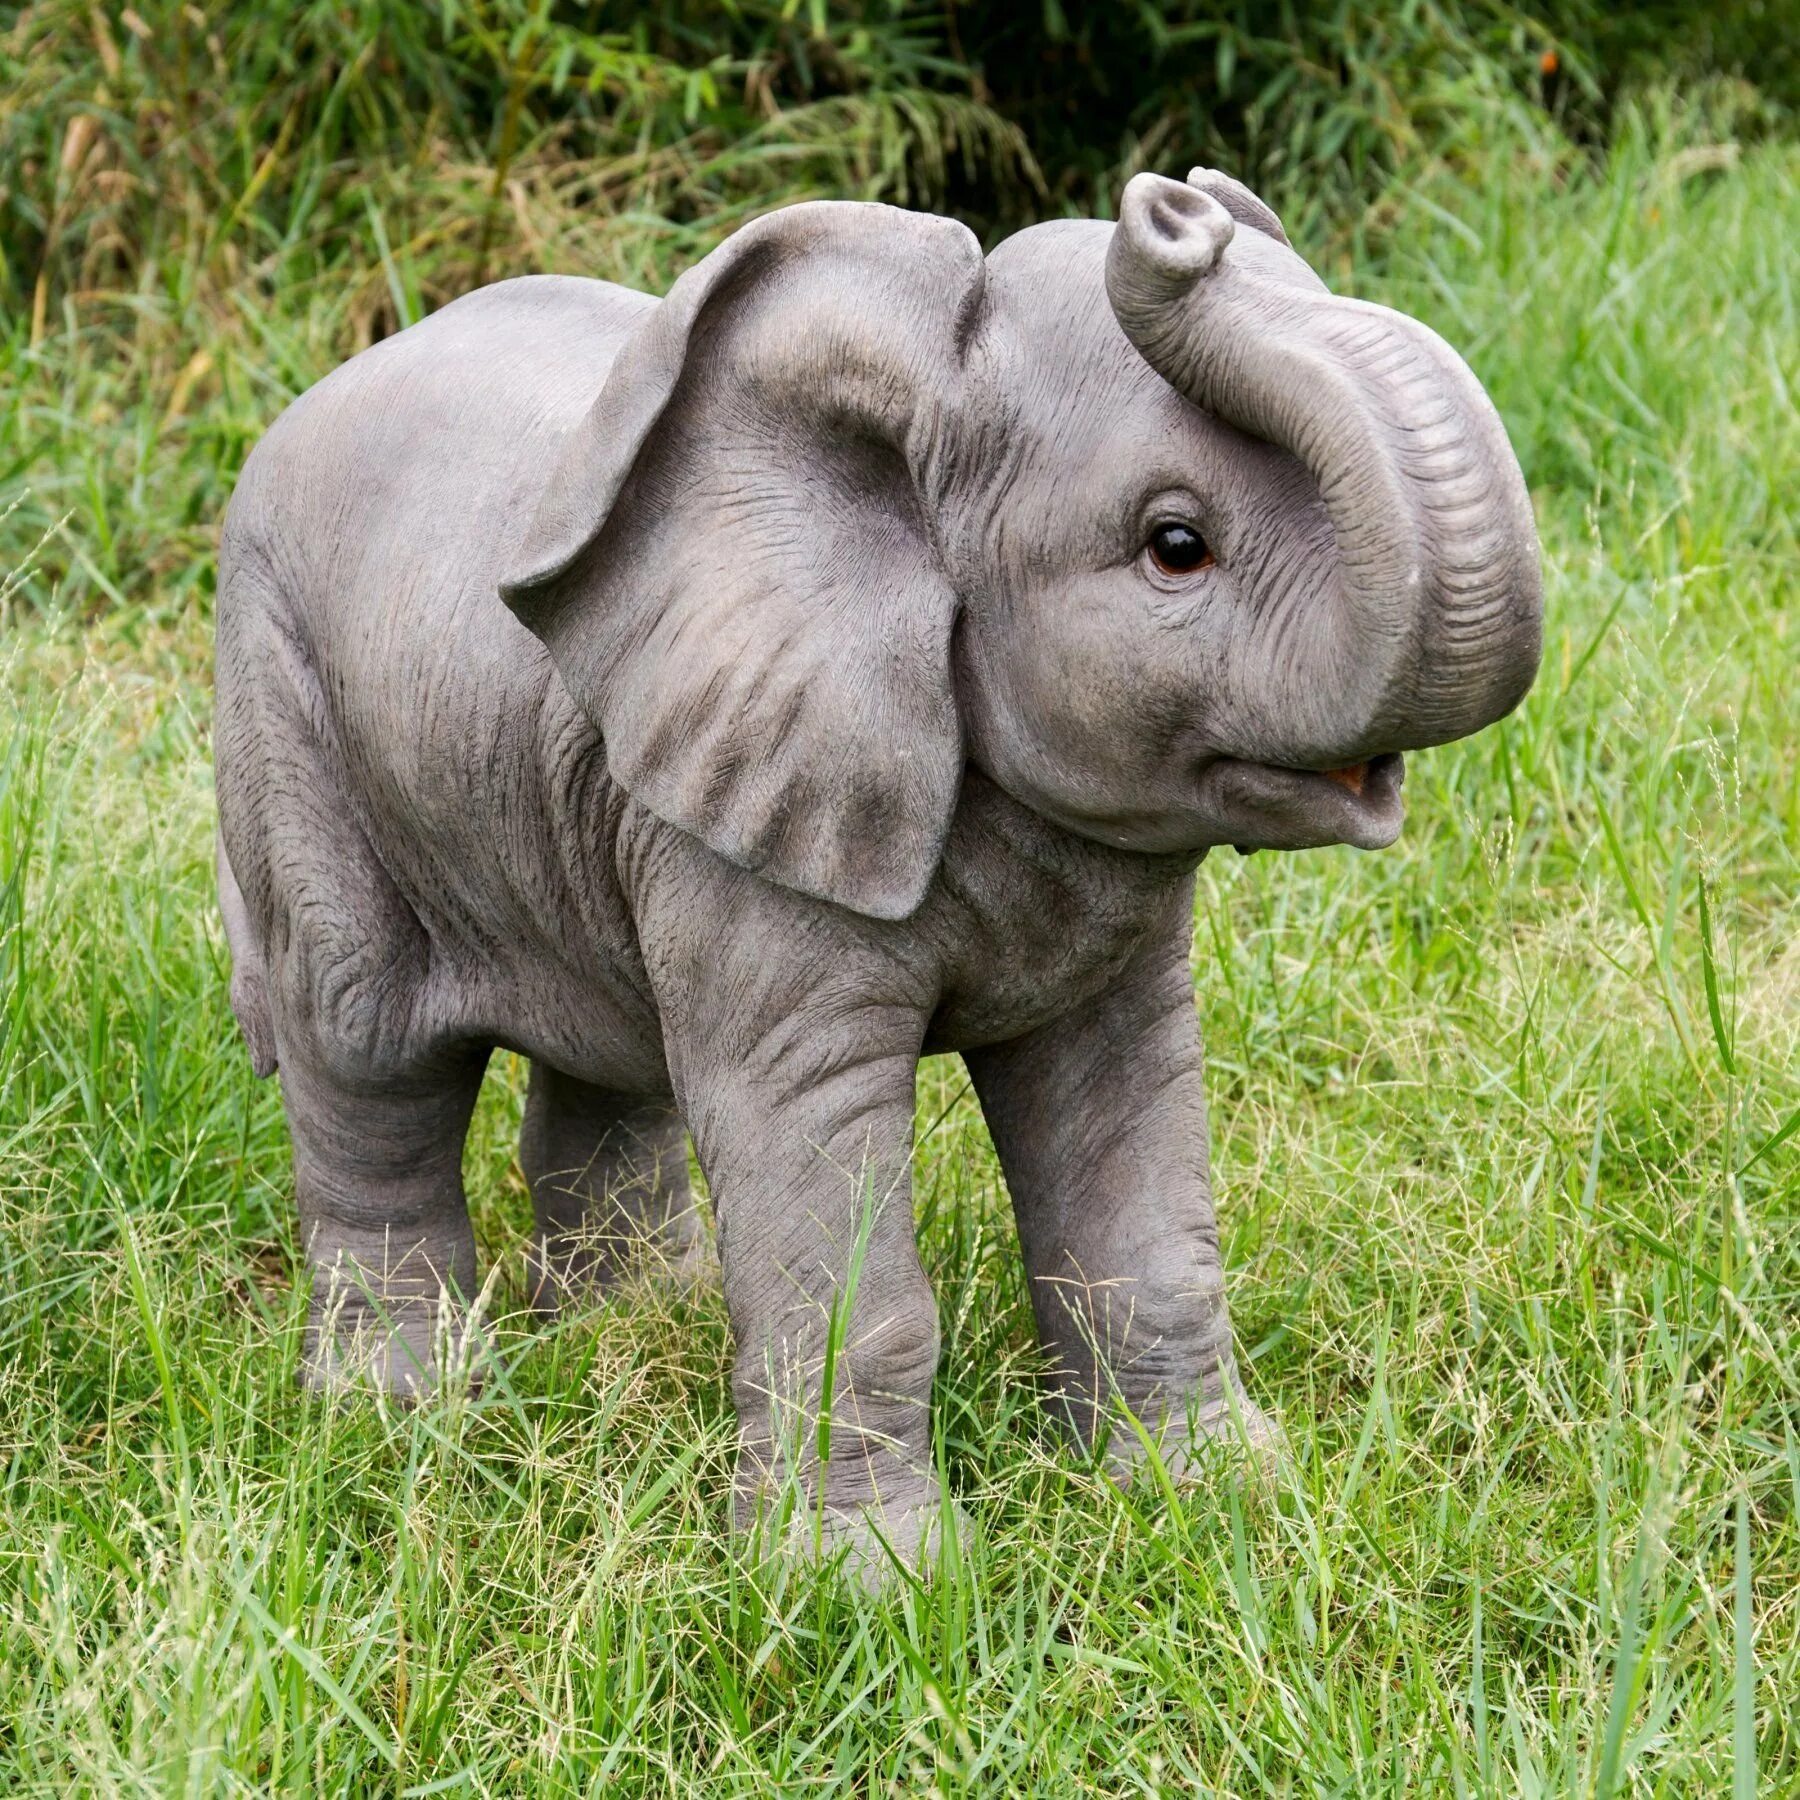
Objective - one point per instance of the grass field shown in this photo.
(1504, 1126)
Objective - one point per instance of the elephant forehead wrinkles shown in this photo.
(1066, 430)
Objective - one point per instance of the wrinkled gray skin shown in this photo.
(724, 701)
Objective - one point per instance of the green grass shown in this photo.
(1499, 1125)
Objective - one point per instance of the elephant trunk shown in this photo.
(1438, 628)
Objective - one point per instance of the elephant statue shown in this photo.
(725, 700)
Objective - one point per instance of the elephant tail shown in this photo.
(249, 978)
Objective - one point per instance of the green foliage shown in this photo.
(201, 211)
(252, 126)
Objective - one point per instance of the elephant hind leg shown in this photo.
(609, 1185)
(378, 1175)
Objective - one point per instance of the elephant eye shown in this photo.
(1179, 550)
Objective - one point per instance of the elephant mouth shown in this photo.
(1266, 806)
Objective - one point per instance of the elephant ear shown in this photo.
(733, 563)
(1239, 202)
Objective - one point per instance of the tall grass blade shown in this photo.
(1743, 1647)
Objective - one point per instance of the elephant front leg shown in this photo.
(1100, 1122)
(806, 1143)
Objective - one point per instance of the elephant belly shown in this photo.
(585, 1028)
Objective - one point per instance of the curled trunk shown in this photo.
(1437, 554)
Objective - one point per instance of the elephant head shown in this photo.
(1175, 546)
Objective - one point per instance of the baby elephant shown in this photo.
(725, 700)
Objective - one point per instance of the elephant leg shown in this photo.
(791, 1032)
(378, 1176)
(834, 1322)
(609, 1184)
(1100, 1122)
(804, 1129)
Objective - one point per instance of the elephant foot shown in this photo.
(1227, 1434)
(874, 1545)
(409, 1351)
(877, 1518)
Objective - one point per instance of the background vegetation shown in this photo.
(1506, 1118)
(204, 208)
